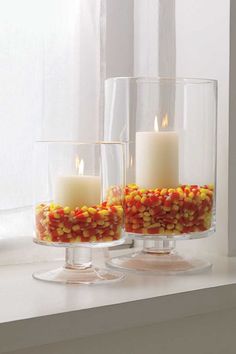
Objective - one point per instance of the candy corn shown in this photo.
(100, 223)
(185, 209)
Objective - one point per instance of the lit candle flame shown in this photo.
(156, 124)
(165, 121)
(131, 161)
(79, 165)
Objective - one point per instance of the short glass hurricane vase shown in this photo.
(169, 128)
(79, 191)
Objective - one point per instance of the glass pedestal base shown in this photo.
(78, 269)
(160, 258)
(91, 275)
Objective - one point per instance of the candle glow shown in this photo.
(165, 121)
(79, 165)
(156, 124)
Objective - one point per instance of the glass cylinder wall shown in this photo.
(169, 126)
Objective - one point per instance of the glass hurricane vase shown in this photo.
(79, 191)
(169, 129)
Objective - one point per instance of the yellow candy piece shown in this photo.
(107, 239)
(60, 232)
(92, 210)
(163, 191)
(203, 196)
(93, 239)
(104, 212)
(137, 198)
(142, 191)
(85, 233)
(75, 227)
(67, 210)
(66, 230)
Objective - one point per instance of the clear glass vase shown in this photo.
(169, 128)
(79, 193)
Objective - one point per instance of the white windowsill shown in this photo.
(36, 313)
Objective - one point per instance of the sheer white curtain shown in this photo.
(146, 34)
(50, 85)
(154, 38)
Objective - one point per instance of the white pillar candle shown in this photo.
(77, 191)
(157, 159)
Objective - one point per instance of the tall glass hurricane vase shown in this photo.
(79, 196)
(169, 127)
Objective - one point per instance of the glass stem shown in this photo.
(78, 258)
(159, 246)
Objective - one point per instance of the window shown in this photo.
(50, 70)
